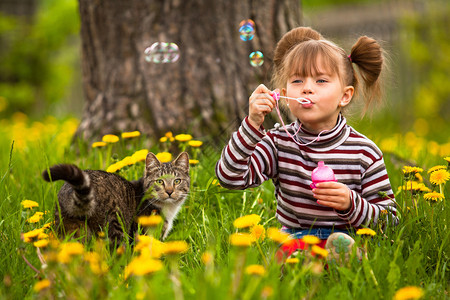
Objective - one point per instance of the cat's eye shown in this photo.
(177, 181)
(160, 181)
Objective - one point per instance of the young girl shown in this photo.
(310, 67)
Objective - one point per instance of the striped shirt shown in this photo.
(253, 156)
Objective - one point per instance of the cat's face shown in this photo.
(167, 183)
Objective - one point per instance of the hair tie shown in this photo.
(350, 58)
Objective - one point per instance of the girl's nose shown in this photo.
(307, 88)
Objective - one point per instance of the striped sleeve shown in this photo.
(247, 160)
(375, 201)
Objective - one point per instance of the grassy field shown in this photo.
(199, 261)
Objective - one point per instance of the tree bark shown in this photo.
(202, 93)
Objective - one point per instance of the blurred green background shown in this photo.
(40, 63)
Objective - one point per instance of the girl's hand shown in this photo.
(261, 103)
(333, 194)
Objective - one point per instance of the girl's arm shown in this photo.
(375, 202)
(248, 159)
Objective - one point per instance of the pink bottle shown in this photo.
(321, 174)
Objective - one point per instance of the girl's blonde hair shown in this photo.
(298, 51)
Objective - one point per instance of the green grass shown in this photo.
(415, 253)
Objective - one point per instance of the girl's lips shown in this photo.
(307, 103)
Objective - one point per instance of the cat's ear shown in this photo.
(151, 161)
(182, 161)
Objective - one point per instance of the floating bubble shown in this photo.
(247, 30)
(162, 52)
(256, 58)
(246, 33)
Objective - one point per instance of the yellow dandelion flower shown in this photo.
(115, 167)
(365, 231)
(41, 243)
(183, 137)
(207, 258)
(255, 270)
(277, 235)
(319, 251)
(163, 139)
(47, 225)
(292, 260)
(258, 232)
(67, 250)
(436, 168)
(36, 217)
(29, 204)
(140, 266)
(439, 177)
(247, 221)
(175, 247)
(42, 236)
(132, 134)
(434, 196)
(149, 246)
(128, 161)
(98, 144)
(150, 221)
(95, 262)
(418, 177)
(140, 155)
(120, 250)
(424, 189)
(241, 239)
(193, 161)
(409, 293)
(411, 186)
(110, 138)
(411, 170)
(164, 157)
(311, 239)
(30, 235)
(40, 285)
(195, 144)
(169, 135)
(447, 159)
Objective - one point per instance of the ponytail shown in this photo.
(367, 54)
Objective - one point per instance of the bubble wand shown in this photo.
(300, 100)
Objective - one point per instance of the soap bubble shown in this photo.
(256, 58)
(246, 33)
(162, 52)
(247, 30)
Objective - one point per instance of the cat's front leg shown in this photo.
(167, 226)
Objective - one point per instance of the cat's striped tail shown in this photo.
(77, 178)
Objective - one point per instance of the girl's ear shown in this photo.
(347, 96)
(283, 92)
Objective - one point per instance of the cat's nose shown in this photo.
(169, 192)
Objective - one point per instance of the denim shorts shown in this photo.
(321, 233)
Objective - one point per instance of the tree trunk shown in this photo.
(203, 92)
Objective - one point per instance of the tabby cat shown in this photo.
(96, 200)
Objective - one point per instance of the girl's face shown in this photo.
(327, 94)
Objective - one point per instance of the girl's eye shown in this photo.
(321, 81)
(297, 81)
(160, 181)
(177, 181)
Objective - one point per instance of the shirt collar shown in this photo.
(327, 140)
